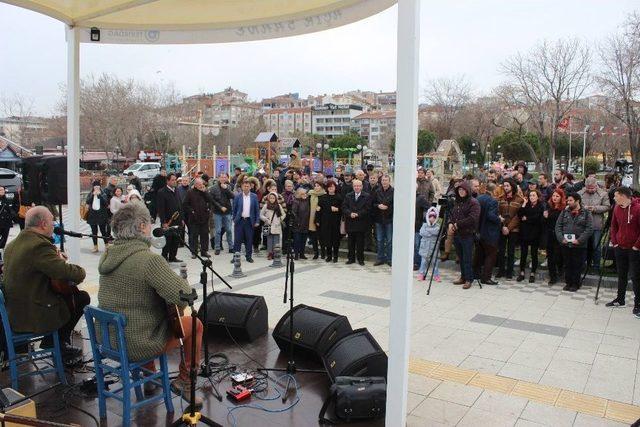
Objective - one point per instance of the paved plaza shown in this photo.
(514, 354)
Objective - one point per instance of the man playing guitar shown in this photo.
(31, 263)
(139, 283)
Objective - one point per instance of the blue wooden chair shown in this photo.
(15, 339)
(110, 359)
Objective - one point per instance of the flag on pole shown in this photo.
(564, 124)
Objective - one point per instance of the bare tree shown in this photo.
(620, 80)
(126, 114)
(546, 82)
(19, 110)
(449, 95)
(477, 121)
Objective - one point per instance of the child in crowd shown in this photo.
(429, 234)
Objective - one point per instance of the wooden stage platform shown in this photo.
(61, 403)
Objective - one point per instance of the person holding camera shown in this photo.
(625, 238)
(573, 229)
(463, 223)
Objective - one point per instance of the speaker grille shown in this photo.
(357, 354)
(229, 309)
(314, 329)
(244, 316)
(308, 325)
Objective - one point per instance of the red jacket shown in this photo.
(625, 225)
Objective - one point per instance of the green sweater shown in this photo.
(138, 283)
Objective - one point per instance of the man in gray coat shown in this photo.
(596, 201)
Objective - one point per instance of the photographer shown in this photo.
(573, 229)
(463, 223)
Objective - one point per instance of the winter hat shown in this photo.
(135, 193)
(432, 211)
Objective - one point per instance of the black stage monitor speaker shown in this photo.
(356, 355)
(44, 179)
(246, 316)
(314, 330)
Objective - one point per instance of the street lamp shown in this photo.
(320, 146)
(473, 157)
(117, 151)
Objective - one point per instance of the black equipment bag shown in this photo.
(314, 330)
(356, 355)
(356, 399)
(245, 316)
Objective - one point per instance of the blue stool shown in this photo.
(112, 330)
(32, 356)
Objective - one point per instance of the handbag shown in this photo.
(356, 399)
(84, 212)
(266, 228)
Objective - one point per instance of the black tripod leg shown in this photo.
(606, 250)
(433, 251)
(286, 389)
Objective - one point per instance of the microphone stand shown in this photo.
(80, 236)
(192, 417)
(291, 368)
(207, 264)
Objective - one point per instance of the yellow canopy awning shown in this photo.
(224, 20)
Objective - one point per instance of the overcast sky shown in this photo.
(458, 37)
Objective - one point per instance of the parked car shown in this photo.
(11, 181)
(144, 170)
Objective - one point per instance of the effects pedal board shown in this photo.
(238, 393)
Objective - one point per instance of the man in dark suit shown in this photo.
(197, 207)
(170, 213)
(246, 217)
(357, 210)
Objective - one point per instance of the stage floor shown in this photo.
(58, 404)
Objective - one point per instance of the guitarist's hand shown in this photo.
(64, 256)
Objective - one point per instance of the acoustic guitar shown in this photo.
(65, 288)
(173, 316)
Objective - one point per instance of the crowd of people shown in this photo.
(491, 218)
(488, 215)
(287, 209)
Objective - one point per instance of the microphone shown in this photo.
(60, 231)
(159, 232)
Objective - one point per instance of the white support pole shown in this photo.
(229, 160)
(404, 210)
(73, 141)
(199, 138)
